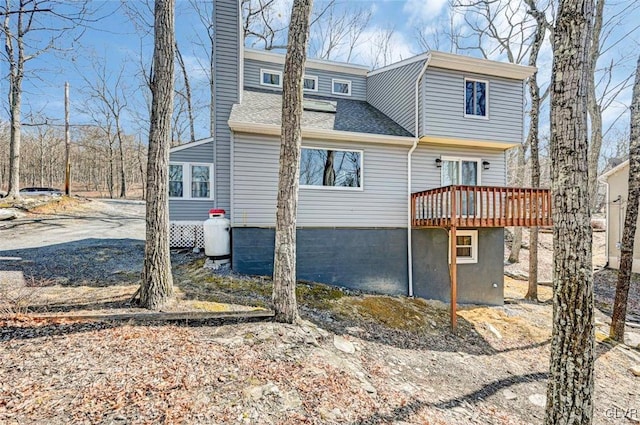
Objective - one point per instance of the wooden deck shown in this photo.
(481, 206)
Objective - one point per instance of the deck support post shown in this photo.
(453, 269)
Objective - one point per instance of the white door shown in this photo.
(462, 171)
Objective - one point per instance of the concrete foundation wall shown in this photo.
(371, 260)
(376, 260)
(475, 281)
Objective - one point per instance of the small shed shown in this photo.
(616, 181)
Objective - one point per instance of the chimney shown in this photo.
(228, 69)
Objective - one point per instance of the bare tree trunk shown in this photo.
(284, 266)
(329, 175)
(630, 221)
(157, 281)
(110, 177)
(16, 73)
(123, 177)
(15, 102)
(534, 125)
(516, 245)
(570, 385)
(514, 255)
(141, 166)
(42, 161)
(594, 108)
(187, 95)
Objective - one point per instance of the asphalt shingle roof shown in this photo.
(265, 107)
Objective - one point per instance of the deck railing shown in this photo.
(481, 206)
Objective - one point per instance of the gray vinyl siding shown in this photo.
(393, 93)
(226, 79)
(201, 153)
(191, 209)
(358, 82)
(382, 203)
(425, 175)
(443, 113)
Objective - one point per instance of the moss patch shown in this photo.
(199, 283)
(414, 315)
(209, 306)
(316, 295)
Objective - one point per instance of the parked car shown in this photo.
(40, 191)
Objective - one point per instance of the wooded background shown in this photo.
(110, 110)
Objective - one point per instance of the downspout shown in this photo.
(413, 148)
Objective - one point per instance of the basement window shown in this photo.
(466, 246)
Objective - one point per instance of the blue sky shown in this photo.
(114, 43)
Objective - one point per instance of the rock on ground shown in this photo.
(539, 400)
(344, 345)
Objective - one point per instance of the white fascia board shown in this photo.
(465, 64)
(605, 176)
(471, 143)
(190, 145)
(318, 133)
(481, 66)
(400, 64)
(348, 68)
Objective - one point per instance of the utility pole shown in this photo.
(67, 140)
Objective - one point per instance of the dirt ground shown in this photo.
(357, 359)
(604, 279)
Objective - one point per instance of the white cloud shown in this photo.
(423, 10)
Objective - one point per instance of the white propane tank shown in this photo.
(217, 237)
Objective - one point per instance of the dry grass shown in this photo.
(45, 205)
(21, 298)
(56, 205)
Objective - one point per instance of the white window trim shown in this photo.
(270, 71)
(310, 77)
(486, 101)
(339, 188)
(474, 247)
(460, 159)
(341, 81)
(186, 180)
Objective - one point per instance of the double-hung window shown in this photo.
(190, 180)
(476, 98)
(176, 181)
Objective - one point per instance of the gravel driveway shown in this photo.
(100, 243)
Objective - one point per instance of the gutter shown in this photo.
(413, 148)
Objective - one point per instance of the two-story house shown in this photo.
(402, 169)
